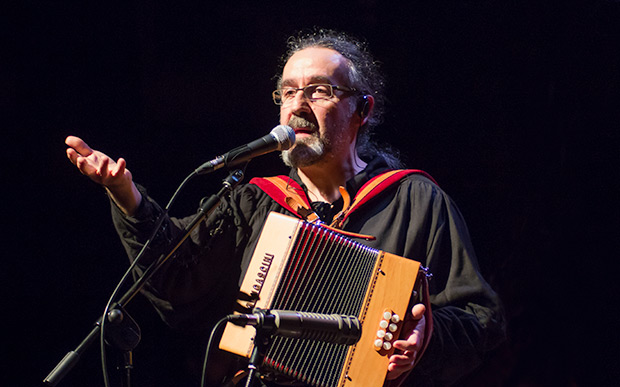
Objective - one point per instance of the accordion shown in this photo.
(305, 267)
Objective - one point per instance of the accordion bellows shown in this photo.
(304, 267)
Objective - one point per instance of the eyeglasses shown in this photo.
(312, 92)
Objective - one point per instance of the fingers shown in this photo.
(418, 311)
(91, 163)
(119, 169)
(78, 148)
(79, 145)
(400, 363)
(403, 359)
(85, 166)
(102, 168)
(72, 155)
(412, 343)
(414, 332)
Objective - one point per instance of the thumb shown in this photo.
(418, 311)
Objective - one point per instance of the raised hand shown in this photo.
(101, 169)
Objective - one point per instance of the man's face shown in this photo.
(323, 128)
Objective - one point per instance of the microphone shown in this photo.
(281, 137)
(331, 328)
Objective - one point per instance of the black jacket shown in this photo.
(414, 219)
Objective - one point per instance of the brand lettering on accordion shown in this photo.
(263, 270)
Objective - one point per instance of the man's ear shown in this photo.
(364, 107)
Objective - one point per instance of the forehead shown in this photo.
(315, 64)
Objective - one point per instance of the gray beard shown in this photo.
(306, 152)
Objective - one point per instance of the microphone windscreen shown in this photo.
(284, 135)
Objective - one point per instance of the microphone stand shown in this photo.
(72, 358)
(262, 342)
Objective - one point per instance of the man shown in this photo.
(330, 93)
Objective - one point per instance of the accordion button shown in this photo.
(378, 343)
(388, 336)
(380, 333)
(383, 324)
(387, 346)
(387, 315)
(395, 318)
(393, 327)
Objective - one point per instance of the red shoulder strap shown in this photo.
(282, 189)
(289, 194)
(375, 187)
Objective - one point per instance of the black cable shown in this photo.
(159, 221)
(104, 366)
(218, 327)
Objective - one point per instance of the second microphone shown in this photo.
(332, 328)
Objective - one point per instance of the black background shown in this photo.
(511, 106)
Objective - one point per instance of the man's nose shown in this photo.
(300, 103)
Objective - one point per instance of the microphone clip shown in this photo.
(257, 319)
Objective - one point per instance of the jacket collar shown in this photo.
(374, 167)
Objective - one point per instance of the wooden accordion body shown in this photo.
(304, 267)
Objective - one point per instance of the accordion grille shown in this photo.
(326, 273)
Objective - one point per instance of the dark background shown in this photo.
(511, 105)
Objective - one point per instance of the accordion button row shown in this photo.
(389, 327)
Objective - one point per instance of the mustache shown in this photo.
(300, 122)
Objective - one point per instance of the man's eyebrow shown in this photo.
(313, 80)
